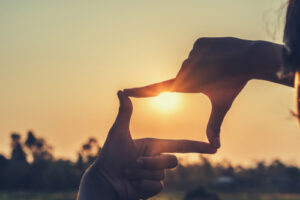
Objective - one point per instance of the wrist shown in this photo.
(265, 58)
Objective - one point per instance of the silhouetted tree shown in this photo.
(17, 153)
(89, 151)
(3, 165)
(38, 147)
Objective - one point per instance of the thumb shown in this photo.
(213, 128)
(125, 111)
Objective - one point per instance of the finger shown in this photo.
(214, 124)
(157, 146)
(150, 90)
(125, 110)
(148, 188)
(159, 162)
(140, 174)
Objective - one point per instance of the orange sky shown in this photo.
(61, 64)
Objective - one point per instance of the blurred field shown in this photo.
(163, 196)
(245, 196)
(260, 197)
(37, 196)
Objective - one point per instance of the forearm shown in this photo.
(266, 60)
(94, 186)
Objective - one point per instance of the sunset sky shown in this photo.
(62, 62)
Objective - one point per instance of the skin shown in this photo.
(220, 68)
(132, 169)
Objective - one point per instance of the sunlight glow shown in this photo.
(166, 101)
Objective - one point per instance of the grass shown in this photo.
(162, 196)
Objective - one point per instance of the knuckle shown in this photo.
(201, 41)
(198, 47)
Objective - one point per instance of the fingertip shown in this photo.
(173, 162)
(120, 97)
(211, 149)
(214, 150)
(119, 93)
(213, 136)
(216, 143)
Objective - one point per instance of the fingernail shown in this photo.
(119, 93)
(139, 162)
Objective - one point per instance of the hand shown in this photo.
(219, 68)
(135, 168)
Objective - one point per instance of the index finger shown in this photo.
(157, 146)
(150, 90)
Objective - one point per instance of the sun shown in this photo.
(166, 101)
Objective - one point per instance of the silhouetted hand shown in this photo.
(219, 68)
(134, 168)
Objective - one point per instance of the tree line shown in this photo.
(32, 166)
